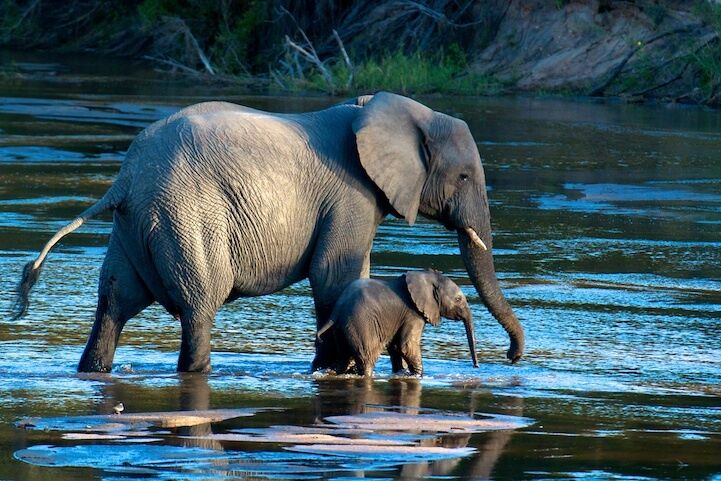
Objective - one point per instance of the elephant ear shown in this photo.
(422, 288)
(390, 134)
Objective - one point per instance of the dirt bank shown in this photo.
(661, 50)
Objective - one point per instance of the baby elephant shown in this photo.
(371, 315)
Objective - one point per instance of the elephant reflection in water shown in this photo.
(193, 395)
(338, 397)
(362, 395)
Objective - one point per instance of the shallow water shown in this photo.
(606, 227)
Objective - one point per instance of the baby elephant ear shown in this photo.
(421, 287)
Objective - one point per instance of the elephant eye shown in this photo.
(463, 177)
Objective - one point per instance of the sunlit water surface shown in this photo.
(608, 244)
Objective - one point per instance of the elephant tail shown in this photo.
(323, 329)
(111, 200)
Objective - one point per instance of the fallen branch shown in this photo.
(663, 84)
(175, 28)
(27, 12)
(277, 79)
(173, 63)
(346, 59)
(439, 16)
(642, 44)
(201, 54)
(312, 56)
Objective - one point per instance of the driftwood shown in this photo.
(308, 52)
(616, 71)
(33, 5)
(172, 33)
(172, 63)
(346, 59)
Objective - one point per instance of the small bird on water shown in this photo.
(118, 408)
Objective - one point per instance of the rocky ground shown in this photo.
(602, 48)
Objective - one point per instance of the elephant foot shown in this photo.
(96, 358)
(93, 365)
(317, 364)
(190, 366)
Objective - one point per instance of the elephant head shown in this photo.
(427, 162)
(435, 295)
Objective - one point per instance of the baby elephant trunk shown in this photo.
(468, 324)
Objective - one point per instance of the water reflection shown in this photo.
(336, 398)
(356, 396)
(194, 393)
(361, 395)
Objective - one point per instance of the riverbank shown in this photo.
(661, 51)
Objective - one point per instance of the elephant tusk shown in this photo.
(475, 239)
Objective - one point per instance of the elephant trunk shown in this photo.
(479, 264)
(468, 324)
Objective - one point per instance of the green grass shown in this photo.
(405, 74)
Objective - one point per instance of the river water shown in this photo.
(606, 225)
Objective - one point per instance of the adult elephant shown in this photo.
(220, 201)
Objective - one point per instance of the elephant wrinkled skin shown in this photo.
(220, 201)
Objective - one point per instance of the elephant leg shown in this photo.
(121, 295)
(341, 255)
(397, 362)
(196, 272)
(195, 341)
(364, 367)
(320, 354)
(412, 355)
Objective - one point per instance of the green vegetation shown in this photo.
(707, 59)
(708, 62)
(250, 40)
(417, 73)
(398, 72)
(226, 30)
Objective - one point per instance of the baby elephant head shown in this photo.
(435, 295)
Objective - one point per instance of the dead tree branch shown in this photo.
(599, 90)
(175, 28)
(311, 56)
(201, 54)
(172, 63)
(436, 15)
(346, 59)
(25, 14)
